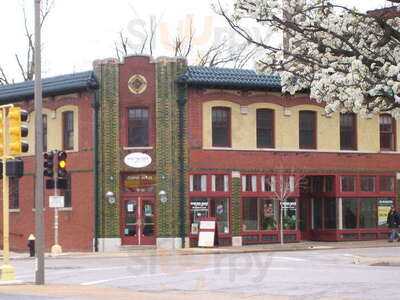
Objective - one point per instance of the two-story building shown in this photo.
(161, 145)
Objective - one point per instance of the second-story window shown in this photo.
(44, 133)
(387, 132)
(68, 130)
(348, 131)
(221, 127)
(265, 128)
(307, 130)
(138, 127)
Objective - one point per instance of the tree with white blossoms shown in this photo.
(346, 58)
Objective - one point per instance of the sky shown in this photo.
(79, 31)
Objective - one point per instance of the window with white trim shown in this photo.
(198, 183)
(219, 183)
(268, 183)
(249, 183)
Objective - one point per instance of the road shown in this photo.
(320, 274)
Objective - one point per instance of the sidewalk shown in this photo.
(78, 292)
(303, 246)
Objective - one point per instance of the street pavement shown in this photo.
(318, 274)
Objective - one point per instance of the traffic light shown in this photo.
(48, 164)
(61, 164)
(17, 130)
(14, 168)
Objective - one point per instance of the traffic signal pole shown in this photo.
(39, 218)
(56, 248)
(7, 270)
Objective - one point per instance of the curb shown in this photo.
(202, 251)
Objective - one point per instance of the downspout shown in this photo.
(96, 107)
(182, 86)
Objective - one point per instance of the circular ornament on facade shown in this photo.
(137, 84)
(137, 160)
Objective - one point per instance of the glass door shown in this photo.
(131, 222)
(148, 222)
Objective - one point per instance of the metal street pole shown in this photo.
(56, 248)
(39, 221)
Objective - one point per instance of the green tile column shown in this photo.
(108, 148)
(236, 188)
(167, 71)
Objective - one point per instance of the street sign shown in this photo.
(56, 201)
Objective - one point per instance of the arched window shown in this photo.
(307, 130)
(68, 130)
(221, 127)
(348, 131)
(387, 132)
(265, 128)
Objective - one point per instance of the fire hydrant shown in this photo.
(31, 245)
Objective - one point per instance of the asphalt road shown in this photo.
(323, 274)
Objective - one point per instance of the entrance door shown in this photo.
(138, 220)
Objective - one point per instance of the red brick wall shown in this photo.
(75, 226)
(143, 66)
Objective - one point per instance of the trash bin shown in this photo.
(31, 245)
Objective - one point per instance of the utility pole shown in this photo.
(39, 221)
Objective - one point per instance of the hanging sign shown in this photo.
(137, 160)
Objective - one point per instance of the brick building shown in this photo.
(67, 125)
(161, 145)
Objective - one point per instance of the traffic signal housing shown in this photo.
(48, 164)
(17, 129)
(61, 164)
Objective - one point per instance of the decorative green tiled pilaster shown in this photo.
(108, 149)
(167, 146)
(236, 188)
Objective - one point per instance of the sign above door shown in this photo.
(137, 160)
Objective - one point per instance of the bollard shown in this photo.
(31, 245)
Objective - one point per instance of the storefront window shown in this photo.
(139, 183)
(387, 183)
(250, 219)
(330, 213)
(199, 210)
(349, 213)
(347, 183)
(220, 210)
(217, 208)
(329, 184)
(198, 183)
(317, 213)
(368, 215)
(269, 213)
(368, 183)
(289, 214)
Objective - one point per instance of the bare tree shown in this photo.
(25, 62)
(124, 46)
(283, 185)
(219, 54)
(222, 54)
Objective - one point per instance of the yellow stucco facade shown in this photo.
(243, 127)
(54, 128)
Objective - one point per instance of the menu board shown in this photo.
(207, 232)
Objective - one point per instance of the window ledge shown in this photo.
(138, 148)
(34, 209)
(14, 210)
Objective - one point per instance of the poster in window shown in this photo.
(383, 210)
(148, 211)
